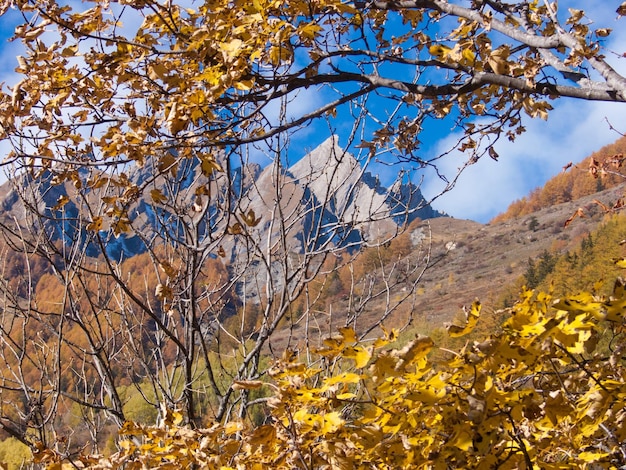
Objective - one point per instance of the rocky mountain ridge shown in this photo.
(325, 197)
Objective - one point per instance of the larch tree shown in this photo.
(141, 121)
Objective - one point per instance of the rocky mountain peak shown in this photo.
(325, 197)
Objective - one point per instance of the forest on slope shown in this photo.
(546, 375)
(592, 266)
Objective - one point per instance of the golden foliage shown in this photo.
(541, 393)
(105, 87)
(180, 79)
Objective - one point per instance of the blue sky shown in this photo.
(574, 129)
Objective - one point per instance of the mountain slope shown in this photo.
(485, 261)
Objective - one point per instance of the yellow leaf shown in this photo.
(593, 456)
(413, 351)
(233, 48)
(168, 269)
(439, 50)
(428, 395)
(69, 51)
(98, 182)
(176, 120)
(246, 384)
(280, 54)
(389, 337)
(244, 85)
(23, 65)
(615, 310)
(573, 342)
(177, 417)
(594, 406)
(472, 317)
(157, 71)
(263, 435)
(203, 190)
(307, 420)
(157, 196)
(576, 15)
(121, 225)
(61, 201)
(130, 427)
(208, 164)
(212, 75)
(469, 56)
(360, 355)
(163, 292)
(345, 378)
(583, 302)
(348, 334)
(232, 427)
(95, 225)
(309, 30)
(250, 218)
(235, 229)
(126, 445)
(463, 440)
(334, 343)
(167, 163)
(619, 262)
(498, 60)
(332, 422)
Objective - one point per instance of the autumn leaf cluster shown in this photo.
(115, 82)
(546, 391)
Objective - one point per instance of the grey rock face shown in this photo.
(325, 199)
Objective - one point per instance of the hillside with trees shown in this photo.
(592, 266)
(605, 167)
(504, 401)
(183, 285)
(355, 402)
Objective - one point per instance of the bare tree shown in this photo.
(196, 294)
